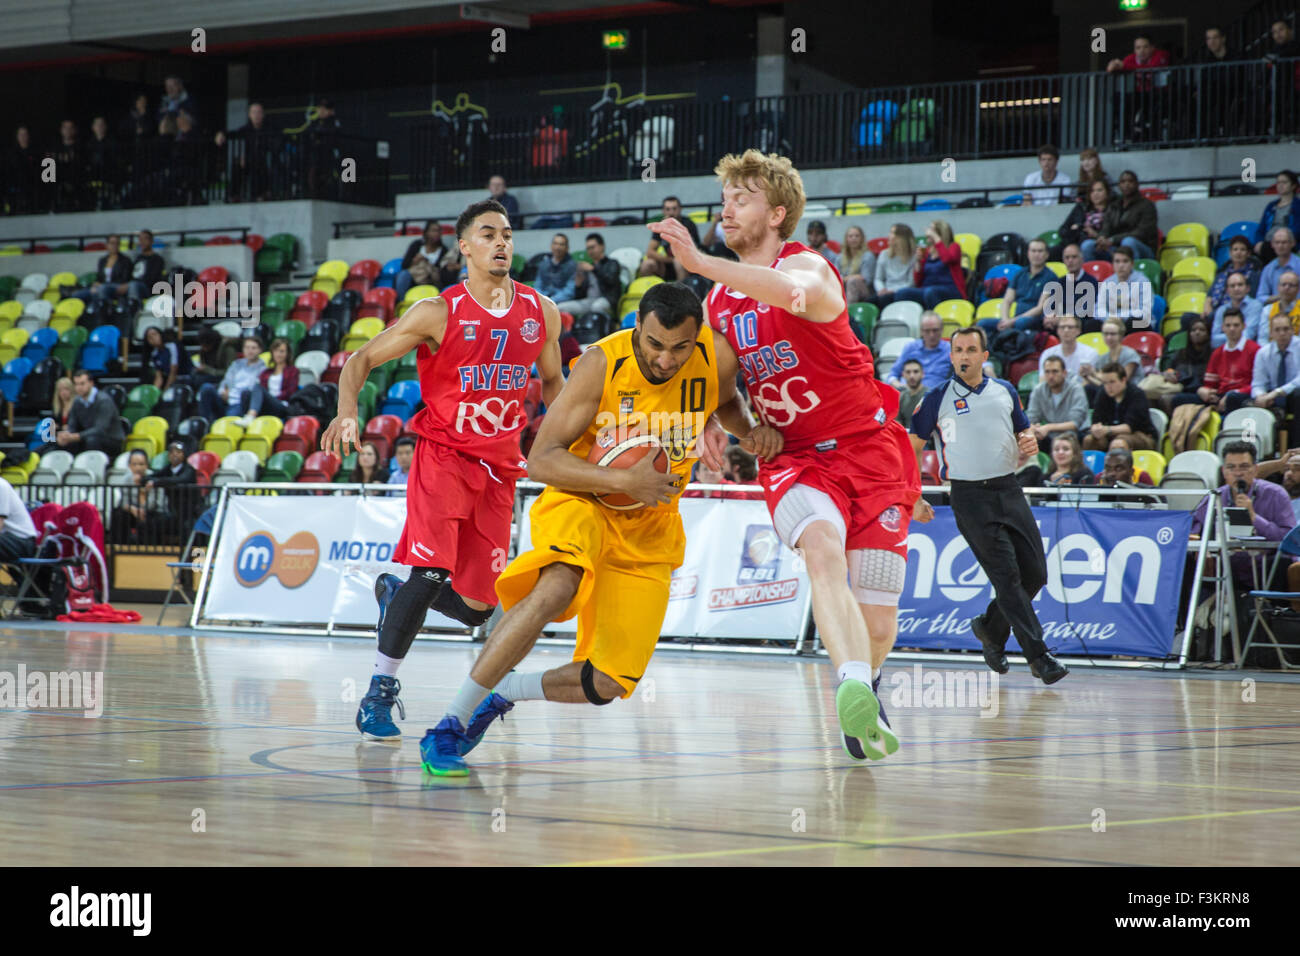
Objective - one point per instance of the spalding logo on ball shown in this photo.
(623, 447)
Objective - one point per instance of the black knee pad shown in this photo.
(448, 602)
(406, 610)
(589, 685)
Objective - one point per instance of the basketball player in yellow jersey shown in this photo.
(669, 374)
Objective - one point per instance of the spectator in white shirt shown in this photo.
(1047, 175)
(1126, 294)
(1074, 354)
(894, 265)
(17, 532)
(403, 455)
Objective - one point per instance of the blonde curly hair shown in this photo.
(775, 175)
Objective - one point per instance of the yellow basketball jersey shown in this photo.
(674, 412)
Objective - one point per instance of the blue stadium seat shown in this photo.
(1242, 227)
(107, 335)
(629, 320)
(46, 426)
(877, 122)
(39, 345)
(11, 381)
(401, 400)
(1158, 308)
(388, 276)
(1008, 271)
(934, 204)
(1095, 460)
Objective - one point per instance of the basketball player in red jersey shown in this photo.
(475, 345)
(842, 491)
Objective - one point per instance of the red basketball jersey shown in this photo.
(814, 382)
(474, 385)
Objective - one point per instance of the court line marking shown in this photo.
(927, 838)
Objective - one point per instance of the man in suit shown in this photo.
(94, 423)
(178, 478)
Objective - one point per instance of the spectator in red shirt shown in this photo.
(1145, 56)
(1226, 384)
(937, 274)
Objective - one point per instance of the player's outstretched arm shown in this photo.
(425, 322)
(805, 285)
(578, 403)
(549, 363)
(762, 440)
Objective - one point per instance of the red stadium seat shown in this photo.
(214, 274)
(220, 241)
(1154, 193)
(448, 228)
(410, 231)
(384, 431)
(1099, 269)
(1051, 340)
(592, 221)
(320, 466)
(533, 398)
(307, 316)
(95, 247)
(930, 467)
(335, 368)
(878, 245)
(205, 463)
(378, 302)
(301, 434)
(1150, 345)
(407, 431)
(1021, 366)
(833, 245)
(362, 275)
(566, 321)
(315, 299)
(255, 242)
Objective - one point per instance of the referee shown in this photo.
(982, 433)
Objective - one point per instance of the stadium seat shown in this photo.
(320, 466)
(1152, 462)
(362, 275)
(301, 434)
(58, 282)
(330, 276)
(1158, 307)
(1187, 302)
(1095, 460)
(1192, 466)
(280, 301)
(889, 350)
(39, 310)
(1189, 234)
(956, 310)
(223, 436)
(407, 368)
(88, 468)
(40, 344)
(260, 436)
(1094, 341)
(1007, 270)
(205, 463)
(930, 467)
(415, 294)
(19, 474)
(1197, 267)
(361, 332)
(238, 466)
(191, 430)
(335, 367)
(989, 309)
(140, 401)
(1256, 425)
(388, 274)
(1160, 421)
(383, 430)
(283, 466)
(32, 287)
(1151, 269)
(1099, 269)
(148, 434)
(218, 275)
(313, 361)
(1058, 268)
(865, 314)
(971, 245)
(906, 312)
(54, 465)
(1147, 344)
(293, 330)
(1027, 382)
(378, 302)
(11, 312)
(401, 400)
(228, 329)
(1172, 255)
(1018, 369)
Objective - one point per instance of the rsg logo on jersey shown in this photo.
(489, 418)
(259, 556)
(779, 406)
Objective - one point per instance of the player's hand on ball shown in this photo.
(341, 432)
(647, 484)
(922, 511)
(764, 441)
(711, 445)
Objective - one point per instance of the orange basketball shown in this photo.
(623, 447)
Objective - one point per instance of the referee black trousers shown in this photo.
(994, 518)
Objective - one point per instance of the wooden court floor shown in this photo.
(216, 750)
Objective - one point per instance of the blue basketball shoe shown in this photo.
(440, 750)
(866, 731)
(375, 715)
(493, 707)
(386, 586)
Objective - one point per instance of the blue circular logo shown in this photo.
(254, 559)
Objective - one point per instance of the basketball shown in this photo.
(623, 447)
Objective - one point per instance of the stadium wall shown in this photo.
(238, 261)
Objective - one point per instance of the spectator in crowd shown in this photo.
(1284, 46)
(1090, 171)
(1118, 469)
(136, 505)
(276, 384)
(1074, 293)
(252, 155)
(22, 172)
(17, 531)
(69, 164)
(913, 390)
(1237, 297)
(1086, 217)
(894, 265)
(740, 466)
(1112, 333)
(497, 190)
(714, 240)
(1284, 471)
(1275, 378)
(138, 124)
(557, 274)
(176, 477)
(1288, 285)
(597, 282)
(857, 264)
(1126, 294)
(816, 239)
(1047, 175)
(368, 469)
(103, 162)
(1022, 304)
(1227, 379)
(1130, 221)
(1185, 369)
(145, 271)
(936, 272)
(422, 263)
(226, 399)
(1073, 354)
(164, 360)
(1057, 404)
(1284, 260)
(210, 361)
(1068, 467)
(658, 259)
(1145, 56)
(64, 396)
(325, 147)
(1269, 506)
(403, 455)
(1282, 211)
(1121, 409)
(1239, 262)
(1215, 49)
(934, 354)
(1216, 104)
(112, 270)
(93, 423)
(175, 98)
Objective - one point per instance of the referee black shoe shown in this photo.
(995, 654)
(1048, 669)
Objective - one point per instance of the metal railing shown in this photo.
(155, 521)
(1213, 104)
(314, 164)
(162, 237)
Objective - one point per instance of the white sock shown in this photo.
(875, 675)
(855, 670)
(467, 700)
(387, 666)
(516, 686)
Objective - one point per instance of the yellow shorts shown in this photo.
(626, 559)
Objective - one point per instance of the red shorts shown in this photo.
(873, 481)
(458, 513)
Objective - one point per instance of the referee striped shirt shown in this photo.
(974, 429)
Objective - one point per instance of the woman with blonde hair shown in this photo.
(936, 272)
(64, 396)
(857, 264)
(894, 266)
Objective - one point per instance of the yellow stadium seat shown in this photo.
(1094, 341)
(362, 331)
(970, 243)
(1189, 234)
(1171, 324)
(1187, 302)
(7, 355)
(1058, 268)
(326, 285)
(1170, 256)
(14, 338)
(224, 436)
(61, 323)
(260, 437)
(854, 209)
(70, 308)
(989, 309)
(700, 216)
(18, 474)
(956, 310)
(12, 311)
(1152, 462)
(416, 293)
(335, 269)
(1200, 267)
(54, 291)
(150, 434)
(641, 283)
